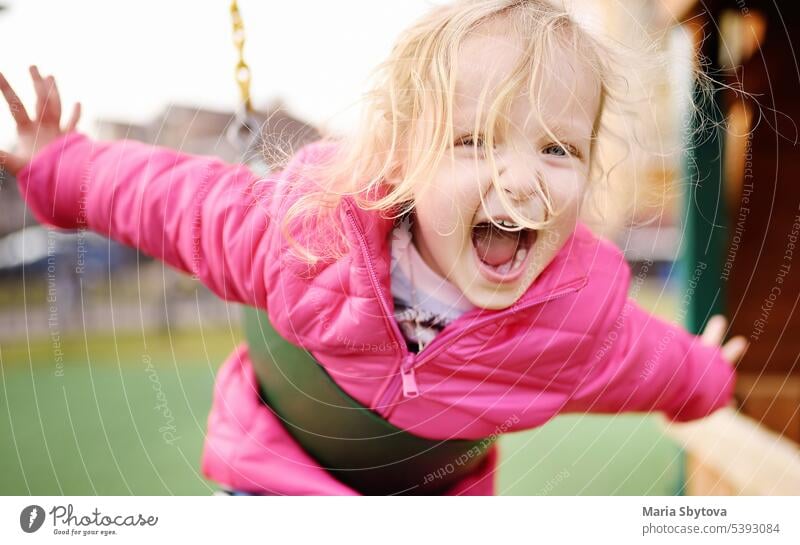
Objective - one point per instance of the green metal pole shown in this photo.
(705, 235)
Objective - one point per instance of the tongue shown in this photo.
(493, 245)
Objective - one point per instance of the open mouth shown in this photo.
(502, 253)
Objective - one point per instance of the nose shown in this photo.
(520, 182)
(520, 194)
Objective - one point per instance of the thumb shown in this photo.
(734, 349)
(11, 163)
(714, 331)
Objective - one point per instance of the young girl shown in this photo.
(432, 263)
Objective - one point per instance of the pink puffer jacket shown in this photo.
(574, 342)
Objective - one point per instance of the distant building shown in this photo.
(206, 132)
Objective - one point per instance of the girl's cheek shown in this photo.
(442, 206)
(463, 193)
(566, 188)
(474, 183)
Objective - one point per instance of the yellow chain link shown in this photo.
(242, 71)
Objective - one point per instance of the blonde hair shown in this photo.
(406, 124)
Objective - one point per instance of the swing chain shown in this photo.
(242, 72)
(246, 133)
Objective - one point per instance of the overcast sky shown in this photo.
(126, 60)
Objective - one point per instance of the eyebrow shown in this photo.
(558, 128)
(561, 125)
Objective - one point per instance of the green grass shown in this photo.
(580, 455)
(98, 425)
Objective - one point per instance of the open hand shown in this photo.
(714, 333)
(34, 134)
(732, 351)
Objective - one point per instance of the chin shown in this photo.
(495, 303)
(490, 296)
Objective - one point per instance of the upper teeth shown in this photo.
(509, 224)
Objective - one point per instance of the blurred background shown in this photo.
(88, 359)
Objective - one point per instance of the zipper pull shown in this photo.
(409, 377)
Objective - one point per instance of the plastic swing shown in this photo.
(352, 442)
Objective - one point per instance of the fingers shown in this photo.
(715, 330)
(11, 163)
(54, 100)
(14, 104)
(714, 333)
(73, 120)
(734, 349)
(48, 103)
(38, 85)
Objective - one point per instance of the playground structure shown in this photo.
(730, 454)
(742, 215)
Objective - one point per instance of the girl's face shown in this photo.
(491, 268)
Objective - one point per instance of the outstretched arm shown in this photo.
(196, 213)
(646, 364)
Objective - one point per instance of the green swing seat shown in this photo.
(353, 443)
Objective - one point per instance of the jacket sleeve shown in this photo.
(196, 213)
(643, 363)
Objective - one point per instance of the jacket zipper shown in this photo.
(409, 361)
(411, 365)
(406, 357)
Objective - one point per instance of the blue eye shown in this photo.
(561, 151)
(555, 149)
